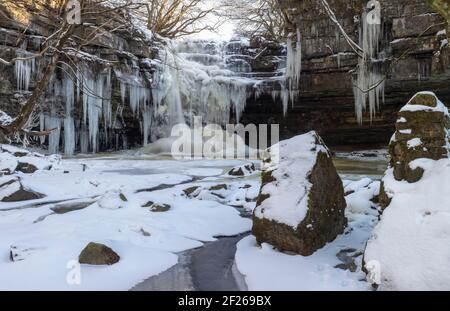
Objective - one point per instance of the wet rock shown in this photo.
(301, 203)
(98, 254)
(243, 170)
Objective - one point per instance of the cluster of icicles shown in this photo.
(190, 79)
(369, 82)
(94, 91)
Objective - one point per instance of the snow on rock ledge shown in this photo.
(301, 203)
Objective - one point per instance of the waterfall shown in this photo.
(202, 78)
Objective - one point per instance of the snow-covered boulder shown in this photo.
(112, 200)
(409, 248)
(421, 132)
(11, 190)
(243, 170)
(14, 159)
(301, 203)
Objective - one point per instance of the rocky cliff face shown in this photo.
(413, 52)
(115, 66)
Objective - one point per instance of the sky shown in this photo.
(224, 32)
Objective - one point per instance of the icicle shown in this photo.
(293, 71)
(69, 126)
(24, 70)
(53, 123)
(146, 123)
(368, 85)
(96, 104)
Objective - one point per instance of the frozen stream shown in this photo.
(190, 247)
(212, 266)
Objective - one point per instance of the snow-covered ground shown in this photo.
(410, 246)
(84, 203)
(48, 242)
(330, 268)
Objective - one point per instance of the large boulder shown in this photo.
(98, 254)
(301, 204)
(422, 131)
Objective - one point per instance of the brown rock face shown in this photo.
(326, 101)
(98, 254)
(324, 219)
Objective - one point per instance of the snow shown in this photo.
(5, 119)
(413, 143)
(265, 268)
(114, 189)
(411, 241)
(440, 107)
(288, 195)
(8, 189)
(406, 131)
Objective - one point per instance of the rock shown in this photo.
(219, 187)
(326, 101)
(301, 202)
(26, 168)
(421, 132)
(148, 204)
(112, 200)
(243, 170)
(156, 207)
(13, 191)
(98, 254)
(19, 253)
(191, 190)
